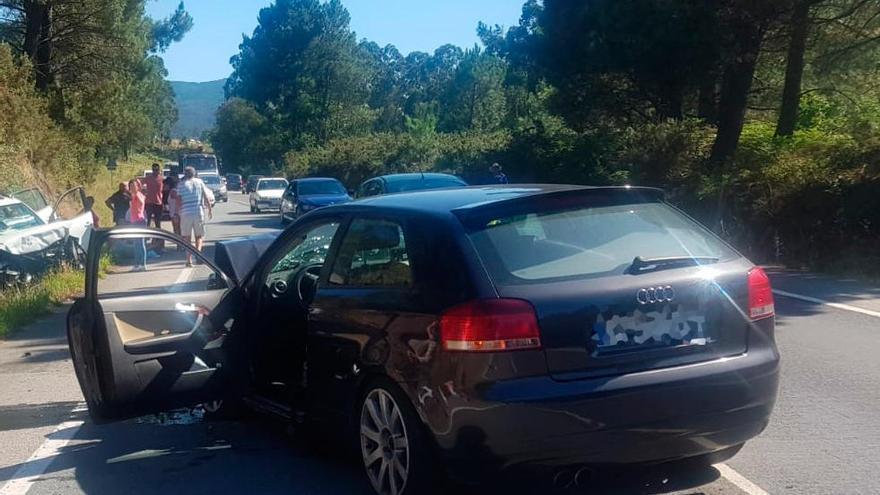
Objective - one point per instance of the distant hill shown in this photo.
(196, 104)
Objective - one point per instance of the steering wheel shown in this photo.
(306, 281)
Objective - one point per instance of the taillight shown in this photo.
(490, 325)
(760, 295)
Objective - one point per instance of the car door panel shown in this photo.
(356, 330)
(138, 354)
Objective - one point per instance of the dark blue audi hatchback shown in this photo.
(459, 330)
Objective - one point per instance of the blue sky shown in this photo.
(411, 25)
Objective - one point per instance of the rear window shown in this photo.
(589, 241)
(264, 185)
(310, 187)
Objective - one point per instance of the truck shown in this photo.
(204, 163)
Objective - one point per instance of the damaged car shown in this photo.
(35, 237)
(461, 332)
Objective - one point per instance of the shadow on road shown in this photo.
(182, 453)
(26, 416)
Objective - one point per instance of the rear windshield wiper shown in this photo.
(641, 265)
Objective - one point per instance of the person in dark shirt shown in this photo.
(119, 203)
(498, 176)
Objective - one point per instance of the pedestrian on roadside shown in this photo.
(172, 199)
(498, 175)
(155, 183)
(119, 202)
(137, 216)
(193, 208)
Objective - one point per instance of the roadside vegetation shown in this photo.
(81, 82)
(22, 305)
(759, 118)
(26, 303)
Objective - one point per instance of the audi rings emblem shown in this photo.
(653, 295)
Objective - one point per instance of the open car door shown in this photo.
(35, 199)
(70, 210)
(151, 333)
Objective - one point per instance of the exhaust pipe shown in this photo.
(574, 476)
(584, 476)
(564, 479)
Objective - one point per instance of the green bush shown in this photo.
(355, 159)
(22, 305)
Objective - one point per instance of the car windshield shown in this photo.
(310, 187)
(590, 242)
(269, 184)
(17, 217)
(418, 184)
(201, 163)
(211, 180)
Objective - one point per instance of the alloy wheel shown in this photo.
(384, 443)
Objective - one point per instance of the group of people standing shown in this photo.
(143, 201)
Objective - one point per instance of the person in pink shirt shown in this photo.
(137, 213)
(154, 183)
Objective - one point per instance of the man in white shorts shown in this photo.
(193, 206)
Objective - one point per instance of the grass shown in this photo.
(22, 305)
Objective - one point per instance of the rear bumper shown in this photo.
(646, 417)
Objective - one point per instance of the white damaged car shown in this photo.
(35, 236)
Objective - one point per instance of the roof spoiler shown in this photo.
(578, 197)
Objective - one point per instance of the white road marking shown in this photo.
(184, 277)
(40, 460)
(845, 307)
(739, 480)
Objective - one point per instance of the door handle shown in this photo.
(192, 308)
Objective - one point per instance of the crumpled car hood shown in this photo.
(33, 239)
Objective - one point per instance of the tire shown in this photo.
(394, 451)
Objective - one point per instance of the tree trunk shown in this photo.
(670, 106)
(707, 99)
(735, 87)
(38, 22)
(794, 70)
(33, 19)
(44, 52)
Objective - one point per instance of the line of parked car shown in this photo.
(296, 197)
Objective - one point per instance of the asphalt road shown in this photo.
(824, 437)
